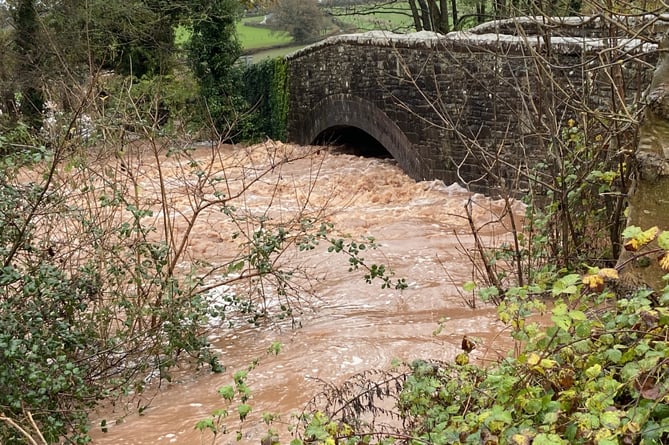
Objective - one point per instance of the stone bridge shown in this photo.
(473, 107)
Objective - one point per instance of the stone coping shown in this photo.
(651, 24)
(487, 38)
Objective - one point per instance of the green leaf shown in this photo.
(316, 431)
(630, 371)
(594, 371)
(274, 348)
(661, 411)
(547, 363)
(548, 439)
(577, 315)
(614, 355)
(566, 285)
(240, 376)
(243, 411)
(469, 286)
(663, 240)
(583, 329)
(562, 321)
(488, 293)
(610, 419)
(560, 308)
(268, 418)
(227, 392)
(205, 424)
(632, 232)
(235, 267)
(220, 412)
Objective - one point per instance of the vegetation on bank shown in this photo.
(94, 303)
(596, 373)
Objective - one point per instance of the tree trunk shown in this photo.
(425, 16)
(575, 7)
(500, 9)
(442, 14)
(649, 197)
(26, 40)
(454, 12)
(415, 14)
(480, 11)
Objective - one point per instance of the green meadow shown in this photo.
(392, 18)
(254, 37)
(261, 43)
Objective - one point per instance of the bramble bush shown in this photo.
(598, 374)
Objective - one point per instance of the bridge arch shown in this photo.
(345, 110)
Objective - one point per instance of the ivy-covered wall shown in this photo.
(266, 91)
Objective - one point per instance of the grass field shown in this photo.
(263, 43)
(252, 37)
(388, 18)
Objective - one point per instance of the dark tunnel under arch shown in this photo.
(339, 118)
(352, 140)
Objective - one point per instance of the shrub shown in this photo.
(598, 377)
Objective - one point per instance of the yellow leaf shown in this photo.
(631, 245)
(609, 273)
(648, 235)
(547, 363)
(594, 282)
(632, 427)
(462, 359)
(664, 262)
(538, 369)
(640, 239)
(533, 359)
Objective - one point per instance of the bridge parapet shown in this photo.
(438, 102)
(648, 27)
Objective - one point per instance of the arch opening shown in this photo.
(351, 118)
(352, 140)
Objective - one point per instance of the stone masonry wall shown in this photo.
(438, 102)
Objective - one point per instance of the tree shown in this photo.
(58, 47)
(302, 20)
(434, 15)
(212, 52)
(129, 38)
(648, 206)
(430, 15)
(26, 44)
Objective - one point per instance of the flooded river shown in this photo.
(347, 326)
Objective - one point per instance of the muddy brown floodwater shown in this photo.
(349, 326)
